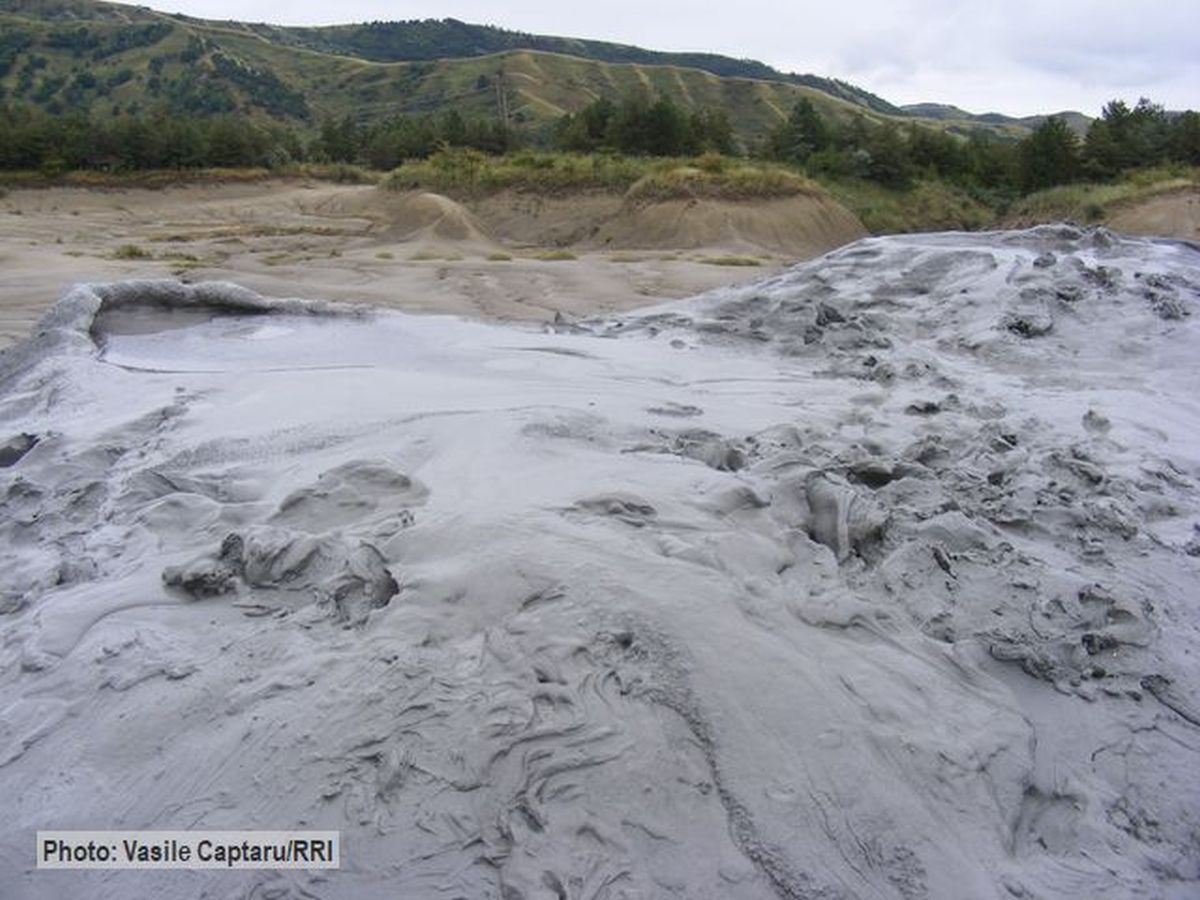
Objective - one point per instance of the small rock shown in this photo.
(1029, 325)
(14, 448)
(923, 408)
(1095, 422)
(827, 315)
(1097, 643)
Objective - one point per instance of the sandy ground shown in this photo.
(417, 252)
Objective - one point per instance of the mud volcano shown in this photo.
(874, 579)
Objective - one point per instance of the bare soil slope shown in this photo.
(799, 226)
(1167, 215)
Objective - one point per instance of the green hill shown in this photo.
(448, 38)
(953, 116)
(106, 59)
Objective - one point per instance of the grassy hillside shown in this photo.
(433, 39)
(1094, 201)
(448, 38)
(961, 121)
(927, 205)
(104, 59)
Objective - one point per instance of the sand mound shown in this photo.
(1170, 215)
(800, 226)
(405, 216)
(431, 217)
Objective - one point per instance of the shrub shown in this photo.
(711, 162)
(130, 251)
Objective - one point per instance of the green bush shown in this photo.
(130, 251)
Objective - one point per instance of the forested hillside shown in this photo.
(109, 60)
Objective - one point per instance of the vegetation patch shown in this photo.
(157, 179)
(1089, 201)
(731, 261)
(499, 257)
(151, 179)
(463, 172)
(131, 251)
(555, 255)
(252, 230)
(467, 173)
(339, 173)
(925, 206)
(741, 181)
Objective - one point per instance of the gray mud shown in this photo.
(874, 579)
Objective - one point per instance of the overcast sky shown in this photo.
(1012, 56)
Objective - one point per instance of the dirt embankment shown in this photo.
(797, 227)
(800, 226)
(1166, 210)
(1176, 214)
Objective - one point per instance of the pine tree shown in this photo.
(1049, 156)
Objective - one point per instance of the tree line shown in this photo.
(32, 139)
(887, 152)
(1123, 138)
(641, 126)
(35, 139)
